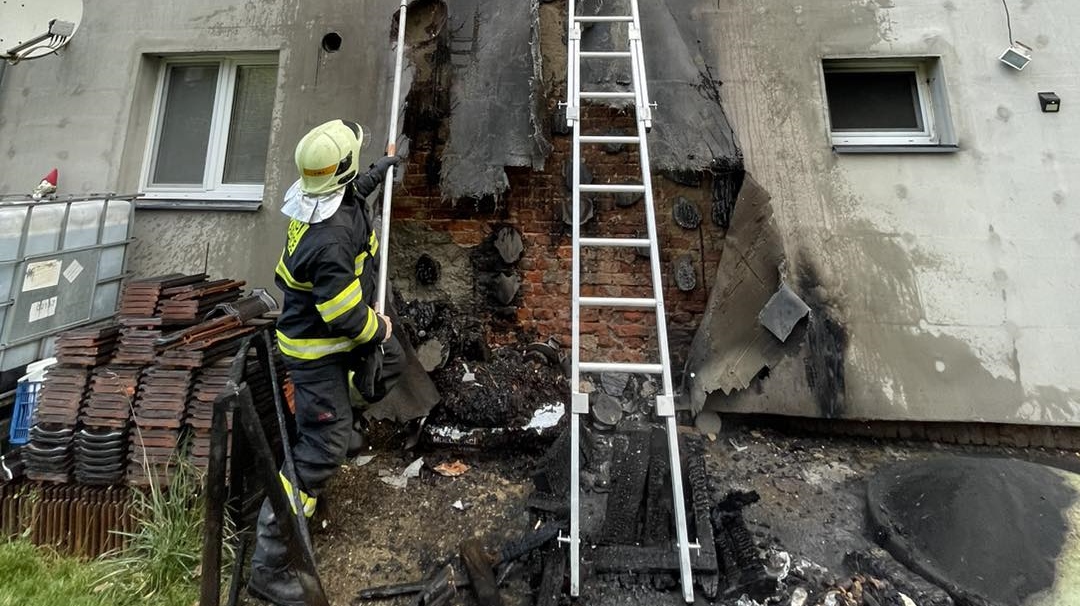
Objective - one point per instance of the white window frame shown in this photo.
(211, 188)
(928, 135)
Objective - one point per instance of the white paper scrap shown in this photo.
(362, 460)
(402, 480)
(73, 270)
(413, 470)
(42, 274)
(42, 309)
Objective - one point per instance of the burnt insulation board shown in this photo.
(988, 530)
(690, 129)
(495, 119)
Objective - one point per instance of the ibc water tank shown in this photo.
(83, 223)
(43, 235)
(117, 216)
(12, 219)
(11, 227)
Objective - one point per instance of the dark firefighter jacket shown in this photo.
(328, 274)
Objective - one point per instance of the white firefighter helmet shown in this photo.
(327, 159)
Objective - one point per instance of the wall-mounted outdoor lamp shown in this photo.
(1016, 56)
(1050, 102)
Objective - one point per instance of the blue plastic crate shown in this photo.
(26, 397)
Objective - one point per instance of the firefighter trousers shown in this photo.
(324, 418)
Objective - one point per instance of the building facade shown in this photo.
(901, 181)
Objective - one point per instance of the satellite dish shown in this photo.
(34, 28)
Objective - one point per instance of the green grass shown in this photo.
(159, 566)
(30, 576)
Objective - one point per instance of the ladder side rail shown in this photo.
(664, 407)
(638, 65)
(573, 120)
(572, 39)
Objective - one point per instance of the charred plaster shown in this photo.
(413, 239)
(826, 346)
(859, 367)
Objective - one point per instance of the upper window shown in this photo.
(895, 102)
(210, 128)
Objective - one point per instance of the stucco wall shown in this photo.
(953, 276)
(86, 112)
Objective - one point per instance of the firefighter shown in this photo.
(328, 329)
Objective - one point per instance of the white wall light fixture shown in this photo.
(1017, 56)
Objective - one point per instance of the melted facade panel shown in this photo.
(494, 119)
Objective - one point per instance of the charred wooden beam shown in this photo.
(478, 564)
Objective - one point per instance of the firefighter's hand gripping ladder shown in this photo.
(665, 405)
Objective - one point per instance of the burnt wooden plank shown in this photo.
(630, 464)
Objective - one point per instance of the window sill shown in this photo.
(896, 149)
(198, 205)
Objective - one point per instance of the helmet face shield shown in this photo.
(365, 136)
(327, 157)
(362, 132)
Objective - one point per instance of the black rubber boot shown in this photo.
(271, 579)
(279, 587)
(358, 443)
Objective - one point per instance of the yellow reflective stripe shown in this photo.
(313, 349)
(370, 326)
(373, 247)
(306, 501)
(358, 263)
(342, 302)
(287, 276)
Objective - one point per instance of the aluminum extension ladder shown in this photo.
(665, 401)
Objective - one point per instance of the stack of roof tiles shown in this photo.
(87, 346)
(209, 382)
(49, 454)
(141, 296)
(137, 341)
(159, 412)
(126, 395)
(101, 450)
(190, 303)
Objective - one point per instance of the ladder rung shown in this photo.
(603, 18)
(624, 242)
(618, 302)
(609, 139)
(613, 188)
(598, 94)
(649, 369)
(604, 54)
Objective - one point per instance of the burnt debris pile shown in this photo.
(626, 506)
(504, 390)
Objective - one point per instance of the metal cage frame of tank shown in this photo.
(40, 290)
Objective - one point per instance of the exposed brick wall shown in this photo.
(975, 434)
(533, 204)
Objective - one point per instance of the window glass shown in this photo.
(249, 129)
(876, 101)
(185, 125)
